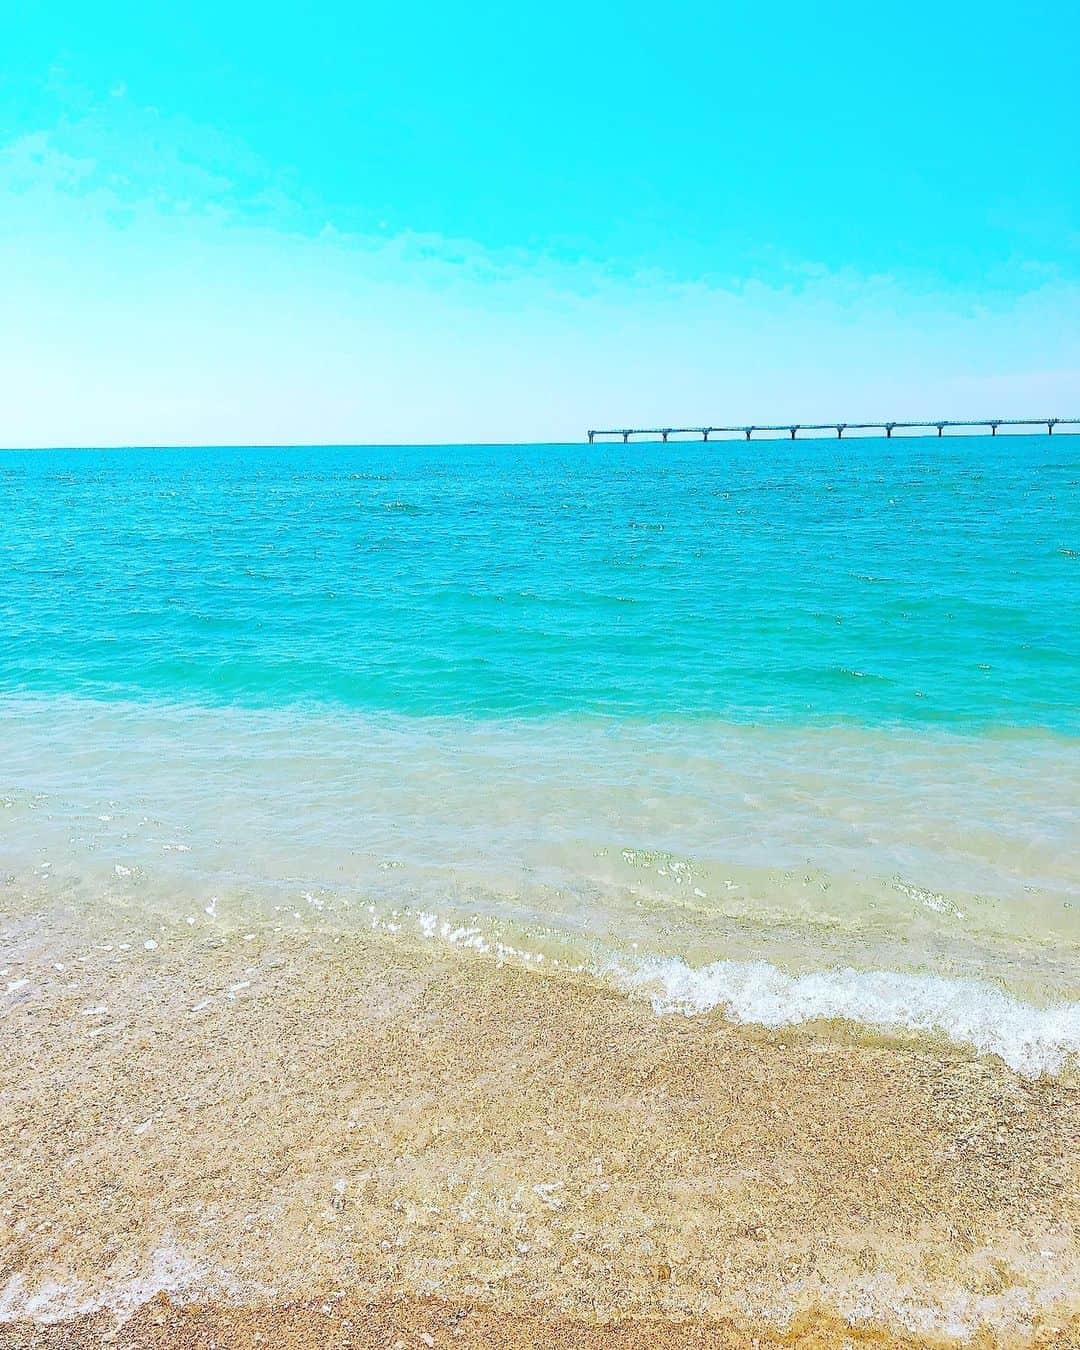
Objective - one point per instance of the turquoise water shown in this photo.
(912, 582)
(791, 731)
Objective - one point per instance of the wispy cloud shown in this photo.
(165, 282)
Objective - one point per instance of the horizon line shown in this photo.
(780, 430)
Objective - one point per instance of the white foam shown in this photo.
(1031, 1040)
(166, 1272)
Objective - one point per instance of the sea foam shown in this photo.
(1029, 1039)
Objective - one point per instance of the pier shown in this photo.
(793, 429)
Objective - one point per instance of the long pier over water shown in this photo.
(990, 424)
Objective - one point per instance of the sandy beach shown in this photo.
(344, 1142)
(312, 1324)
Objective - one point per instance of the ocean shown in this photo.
(541, 882)
(788, 730)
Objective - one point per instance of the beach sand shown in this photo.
(339, 1324)
(306, 1140)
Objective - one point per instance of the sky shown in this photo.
(343, 222)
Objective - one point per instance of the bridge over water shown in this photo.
(990, 424)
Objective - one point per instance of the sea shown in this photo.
(788, 731)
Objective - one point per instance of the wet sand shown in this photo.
(437, 1146)
(316, 1324)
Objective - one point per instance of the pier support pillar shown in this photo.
(1050, 425)
(625, 437)
(705, 434)
(748, 430)
(592, 435)
(940, 428)
(839, 433)
(793, 431)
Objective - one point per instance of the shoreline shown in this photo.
(357, 1115)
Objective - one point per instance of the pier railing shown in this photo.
(793, 429)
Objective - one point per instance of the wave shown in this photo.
(1032, 1041)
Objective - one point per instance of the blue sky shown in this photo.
(340, 222)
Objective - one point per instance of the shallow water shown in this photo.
(788, 730)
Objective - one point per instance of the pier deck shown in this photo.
(793, 429)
